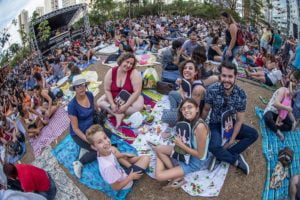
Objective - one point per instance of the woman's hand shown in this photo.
(122, 109)
(114, 108)
(178, 142)
(228, 52)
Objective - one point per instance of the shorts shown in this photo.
(135, 168)
(268, 80)
(194, 165)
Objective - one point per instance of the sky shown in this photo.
(10, 9)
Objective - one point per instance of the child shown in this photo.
(287, 101)
(109, 159)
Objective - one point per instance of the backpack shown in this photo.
(285, 156)
(240, 38)
(150, 78)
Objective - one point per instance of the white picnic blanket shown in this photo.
(147, 59)
(110, 49)
(201, 183)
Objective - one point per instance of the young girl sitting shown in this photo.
(287, 101)
(109, 159)
(173, 170)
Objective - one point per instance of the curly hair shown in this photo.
(126, 56)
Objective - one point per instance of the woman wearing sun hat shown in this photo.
(81, 111)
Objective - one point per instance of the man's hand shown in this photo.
(228, 52)
(229, 144)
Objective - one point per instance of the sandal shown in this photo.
(173, 185)
(263, 100)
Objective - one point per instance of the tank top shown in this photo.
(115, 90)
(228, 38)
(194, 140)
(211, 53)
(259, 60)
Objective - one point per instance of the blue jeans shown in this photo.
(234, 52)
(246, 137)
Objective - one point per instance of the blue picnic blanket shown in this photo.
(84, 66)
(271, 147)
(68, 151)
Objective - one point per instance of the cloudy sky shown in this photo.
(10, 9)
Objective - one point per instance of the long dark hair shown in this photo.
(180, 115)
(183, 64)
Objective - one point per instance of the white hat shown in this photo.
(78, 80)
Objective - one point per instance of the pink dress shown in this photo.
(287, 101)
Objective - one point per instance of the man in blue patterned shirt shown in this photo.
(221, 97)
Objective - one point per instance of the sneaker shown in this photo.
(243, 165)
(77, 167)
(212, 164)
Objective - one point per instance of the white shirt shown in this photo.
(275, 75)
(111, 171)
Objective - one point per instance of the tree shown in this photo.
(44, 31)
(14, 48)
(14, 22)
(4, 37)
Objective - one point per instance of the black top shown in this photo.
(211, 53)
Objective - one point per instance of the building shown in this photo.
(66, 3)
(24, 21)
(40, 11)
(50, 5)
(279, 15)
(294, 23)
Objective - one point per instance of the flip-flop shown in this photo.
(174, 185)
(263, 100)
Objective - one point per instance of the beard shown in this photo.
(228, 83)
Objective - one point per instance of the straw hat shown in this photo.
(78, 80)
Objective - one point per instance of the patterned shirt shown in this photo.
(220, 102)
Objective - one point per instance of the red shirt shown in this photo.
(115, 90)
(33, 179)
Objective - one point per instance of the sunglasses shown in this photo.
(80, 86)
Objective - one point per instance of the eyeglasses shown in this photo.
(79, 86)
(189, 107)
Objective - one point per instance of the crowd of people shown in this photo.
(207, 60)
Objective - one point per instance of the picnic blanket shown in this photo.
(126, 132)
(68, 151)
(146, 59)
(58, 123)
(66, 189)
(10, 158)
(110, 49)
(86, 65)
(201, 183)
(271, 147)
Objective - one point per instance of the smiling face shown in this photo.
(127, 64)
(80, 89)
(189, 71)
(101, 143)
(227, 78)
(189, 111)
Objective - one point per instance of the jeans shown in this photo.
(89, 156)
(270, 120)
(50, 194)
(175, 99)
(246, 137)
(234, 52)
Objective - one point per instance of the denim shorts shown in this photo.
(194, 165)
(133, 168)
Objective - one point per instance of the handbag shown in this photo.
(164, 87)
(99, 117)
(285, 156)
(14, 148)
